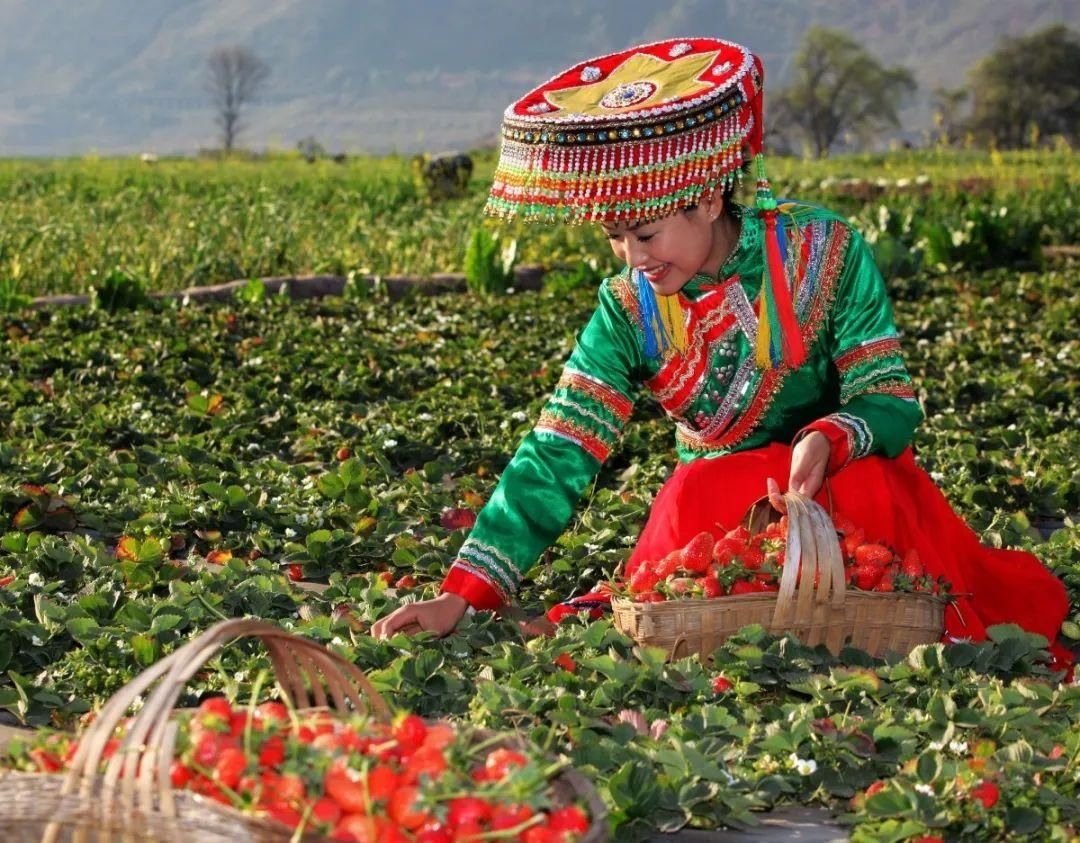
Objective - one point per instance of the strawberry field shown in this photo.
(165, 467)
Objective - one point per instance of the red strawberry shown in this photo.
(230, 766)
(650, 597)
(727, 549)
(697, 555)
(681, 585)
(752, 558)
(500, 762)
(409, 732)
(873, 554)
(668, 565)
(564, 661)
(468, 809)
(346, 787)
(721, 685)
(403, 809)
(570, 818)
(852, 542)
(885, 584)
(740, 534)
(644, 580)
(743, 587)
(986, 792)
(510, 816)
(866, 576)
(457, 519)
(406, 581)
(712, 587)
(912, 566)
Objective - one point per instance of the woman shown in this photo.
(766, 334)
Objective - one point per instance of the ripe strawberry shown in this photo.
(852, 541)
(346, 787)
(467, 809)
(290, 788)
(179, 774)
(885, 584)
(742, 587)
(712, 587)
(47, 762)
(644, 580)
(500, 762)
(541, 834)
(570, 818)
(510, 816)
(912, 566)
(426, 761)
(875, 787)
(216, 707)
(727, 549)
(564, 661)
(229, 767)
(436, 833)
(457, 519)
(721, 685)
(752, 558)
(439, 736)
(866, 576)
(296, 572)
(668, 565)
(272, 751)
(6, 581)
(406, 581)
(326, 811)
(272, 712)
(986, 792)
(403, 810)
(697, 555)
(873, 554)
(285, 814)
(410, 731)
(357, 828)
(650, 597)
(739, 534)
(343, 454)
(843, 524)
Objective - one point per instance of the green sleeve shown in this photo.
(536, 495)
(879, 411)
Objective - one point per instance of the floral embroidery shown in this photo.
(588, 440)
(892, 369)
(585, 411)
(897, 388)
(613, 401)
(872, 349)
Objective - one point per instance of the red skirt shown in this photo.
(896, 503)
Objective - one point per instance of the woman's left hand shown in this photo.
(809, 459)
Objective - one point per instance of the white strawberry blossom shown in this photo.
(35, 579)
(803, 766)
(389, 443)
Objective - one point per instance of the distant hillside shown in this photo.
(127, 75)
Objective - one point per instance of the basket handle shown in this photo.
(812, 556)
(308, 672)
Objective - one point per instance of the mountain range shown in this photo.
(129, 76)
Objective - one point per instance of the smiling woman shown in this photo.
(765, 333)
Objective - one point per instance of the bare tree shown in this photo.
(234, 77)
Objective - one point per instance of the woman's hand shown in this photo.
(809, 459)
(439, 615)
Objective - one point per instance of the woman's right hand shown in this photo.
(439, 615)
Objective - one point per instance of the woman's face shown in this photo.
(670, 250)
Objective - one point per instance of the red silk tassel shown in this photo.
(794, 350)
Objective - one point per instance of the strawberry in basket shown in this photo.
(740, 562)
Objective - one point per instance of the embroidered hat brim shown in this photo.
(631, 135)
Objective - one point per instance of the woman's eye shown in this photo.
(645, 238)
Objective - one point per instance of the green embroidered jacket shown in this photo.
(854, 388)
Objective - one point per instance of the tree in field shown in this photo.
(1029, 87)
(234, 76)
(837, 88)
(947, 104)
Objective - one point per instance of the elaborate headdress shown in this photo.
(639, 134)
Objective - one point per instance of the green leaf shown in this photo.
(146, 649)
(634, 790)
(1023, 820)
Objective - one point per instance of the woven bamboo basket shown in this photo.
(814, 605)
(133, 800)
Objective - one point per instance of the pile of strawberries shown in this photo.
(741, 563)
(352, 779)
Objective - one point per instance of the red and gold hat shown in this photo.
(632, 135)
